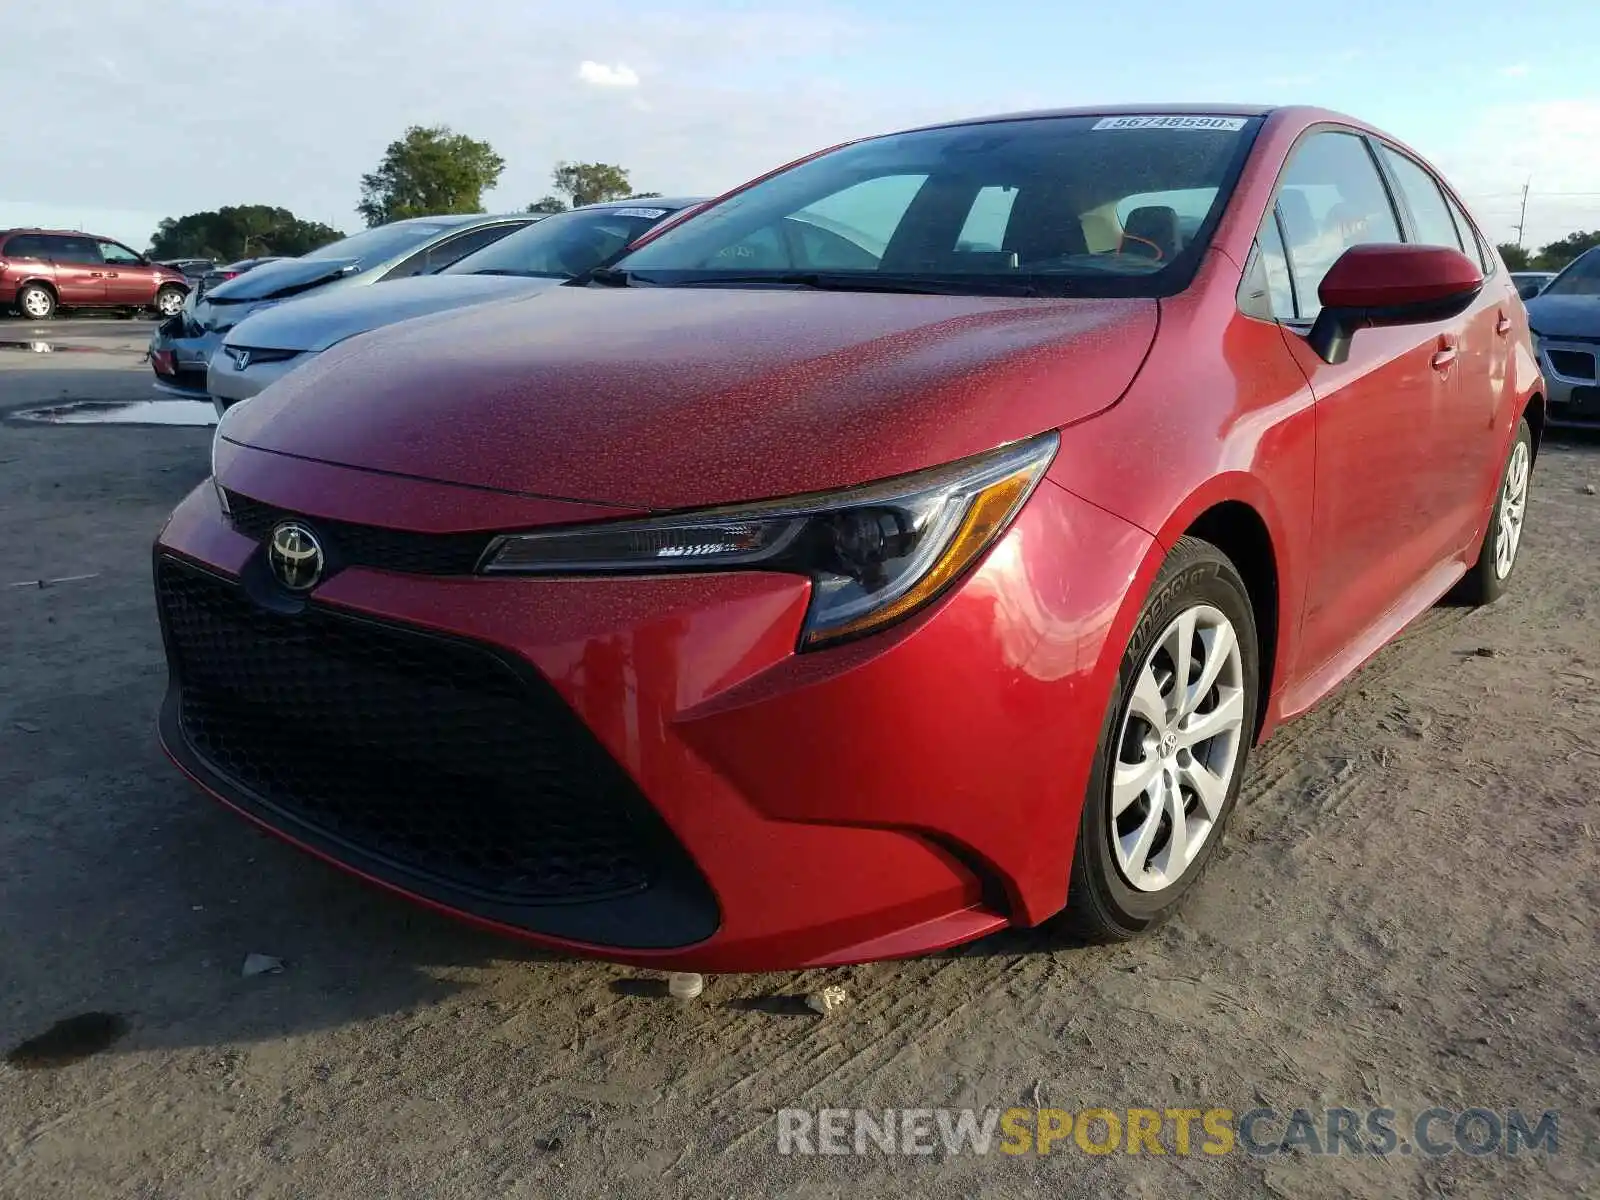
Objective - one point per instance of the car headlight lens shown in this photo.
(216, 436)
(875, 554)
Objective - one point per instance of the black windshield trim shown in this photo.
(859, 281)
(1169, 281)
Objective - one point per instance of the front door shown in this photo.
(129, 279)
(1378, 513)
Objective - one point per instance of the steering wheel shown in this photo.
(1156, 253)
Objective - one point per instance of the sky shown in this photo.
(141, 109)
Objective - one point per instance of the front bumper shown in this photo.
(1571, 371)
(888, 797)
(228, 385)
(191, 354)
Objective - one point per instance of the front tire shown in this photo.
(1172, 749)
(1485, 582)
(36, 302)
(169, 301)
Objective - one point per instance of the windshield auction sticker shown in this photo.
(1175, 121)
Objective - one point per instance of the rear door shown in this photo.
(1380, 415)
(1467, 435)
(79, 270)
(129, 279)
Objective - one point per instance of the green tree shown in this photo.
(429, 171)
(1558, 254)
(1516, 257)
(239, 231)
(591, 183)
(550, 204)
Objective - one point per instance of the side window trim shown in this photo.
(1402, 219)
(1288, 261)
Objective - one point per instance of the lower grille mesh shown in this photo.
(430, 753)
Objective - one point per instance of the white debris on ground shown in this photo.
(828, 999)
(685, 985)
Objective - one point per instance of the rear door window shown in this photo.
(76, 250)
(450, 251)
(1430, 214)
(1471, 240)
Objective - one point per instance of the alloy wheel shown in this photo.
(36, 303)
(1513, 507)
(169, 303)
(1177, 749)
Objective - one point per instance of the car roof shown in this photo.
(671, 203)
(1109, 110)
(99, 237)
(1297, 114)
(461, 219)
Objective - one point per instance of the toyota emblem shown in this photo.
(295, 556)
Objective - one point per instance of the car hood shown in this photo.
(1565, 316)
(676, 397)
(282, 278)
(318, 322)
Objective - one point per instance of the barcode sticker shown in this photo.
(1175, 121)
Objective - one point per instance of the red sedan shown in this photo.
(913, 543)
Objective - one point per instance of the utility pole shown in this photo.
(1522, 217)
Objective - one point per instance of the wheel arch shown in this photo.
(1240, 532)
(40, 281)
(1236, 513)
(1534, 413)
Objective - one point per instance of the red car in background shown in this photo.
(910, 544)
(42, 270)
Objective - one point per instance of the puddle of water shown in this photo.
(41, 347)
(69, 1041)
(123, 412)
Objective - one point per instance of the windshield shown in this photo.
(1581, 278)
(1057, 205)
(380, 244)
(564, 245)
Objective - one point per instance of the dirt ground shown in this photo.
(1403, 916)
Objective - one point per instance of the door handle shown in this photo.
(1503, 325)
(1443, 357)
(94, 274)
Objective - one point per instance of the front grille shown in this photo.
(432, 754)
(349, 544)
(1573, 364)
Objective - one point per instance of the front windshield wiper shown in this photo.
(609, 276)
(521, 274)
(863, 281)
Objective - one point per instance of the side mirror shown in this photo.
(1390, 284)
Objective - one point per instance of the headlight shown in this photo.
(875, 554)
(216, 435)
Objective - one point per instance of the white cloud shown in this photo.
(602, 75)
(1514, 71)
(1547, 145)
